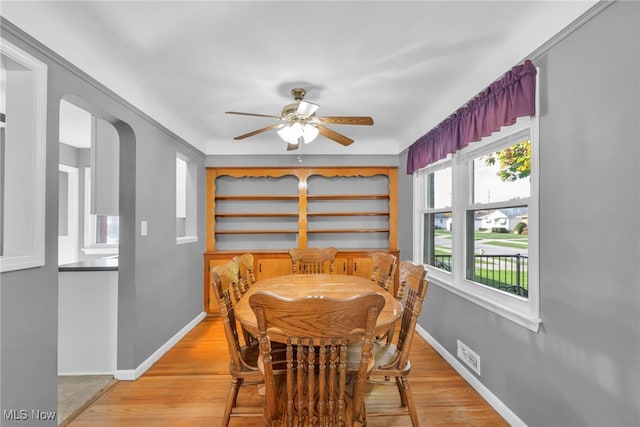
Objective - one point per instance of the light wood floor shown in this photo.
(188, 387)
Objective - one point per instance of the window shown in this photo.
(186, 200)
(107, 229)
(101, 232)
(497, 214)
(477, 212)
(438, 218)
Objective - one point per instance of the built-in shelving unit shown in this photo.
(267, 211)
(301, 202)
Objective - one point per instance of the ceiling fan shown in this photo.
(299, 123)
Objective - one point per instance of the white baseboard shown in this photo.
(491, 398)
(81, 373)
(133, 374)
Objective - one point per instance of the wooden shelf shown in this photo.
(351, 230)
(348, 197)
(256, 231)
(256, 214)
(256, 197)
(380, 213)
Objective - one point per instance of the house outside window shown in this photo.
(477, 212)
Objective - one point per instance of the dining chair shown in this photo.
(383, 270)
(392, 365)
(312, 260)
(246, 276)
(243, 362)
(315, 388)
(229, 274)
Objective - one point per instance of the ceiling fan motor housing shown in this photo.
(290, 111)
(298, 93)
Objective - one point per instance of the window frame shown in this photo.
(426, 210)
(190, 207)
(522, 311)
(24, 222)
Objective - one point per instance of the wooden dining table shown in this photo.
(339, 286)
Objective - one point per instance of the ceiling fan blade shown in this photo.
(345, 120)
(291, 147)
(254, 114)
(337, 137)
(255, 132)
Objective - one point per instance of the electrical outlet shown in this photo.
(469, 357)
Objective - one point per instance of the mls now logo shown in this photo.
(23, 414)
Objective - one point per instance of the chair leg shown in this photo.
(402, 390)
(231, 400)
(408, 396)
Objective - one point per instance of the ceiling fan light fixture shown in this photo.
(291, 133)
(283, 133)
(309, 133)
(296, 130)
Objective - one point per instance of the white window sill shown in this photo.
(516, 309)
(107, 250)
(186, 239)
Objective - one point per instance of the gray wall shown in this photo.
(583, 367)
(160, 283)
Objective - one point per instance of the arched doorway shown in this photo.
(92, 145)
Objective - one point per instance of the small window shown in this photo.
(107, 229)
(186, 200)
(101, 232)
(438, 217)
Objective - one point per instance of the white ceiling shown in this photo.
(407, 64)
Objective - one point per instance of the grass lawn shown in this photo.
(502, 278)
(501, 236)
(509, 244)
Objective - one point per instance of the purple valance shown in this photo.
(500, 104)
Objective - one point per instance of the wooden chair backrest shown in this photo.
(229, 273)
(317, 331)
(246, 278)
(383, 270)
(413, 277)
(223, 296)
(312, 260)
